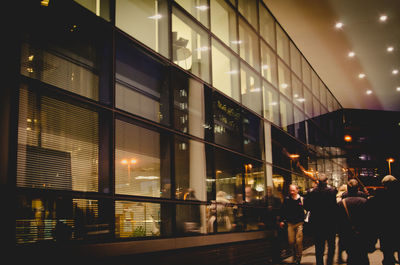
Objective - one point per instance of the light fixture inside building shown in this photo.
(348, 138)
(202, 7)
(395, 71)
(294, 156)
(390, 49)
(155, 17)
(361, 76)
(383, 18)
(369, 92)
(339, 25)
(398, 88)
(351, 54)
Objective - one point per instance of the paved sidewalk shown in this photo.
(309, 257)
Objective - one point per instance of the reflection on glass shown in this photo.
(222, 214)
(197, 8)
(227, 123)
(284, 79)
(295, 60)
(267, 26)
(137, 219)
(191, 219)
(225, 71)
(100, 7)
(190, 46)
(252, 135)
(268, 64)
(323, 92)
(58, 144)
(329, 99)
(316, 108)
(299, 125)
(282, 42)
(188, 104)
(308, 106)
(315, 84)
(249, 49)
(298, 98)
(151, 15)
(271, 104)
(190, 169)
(306, 72)
(286, 111)
(61, 219)
(141, 90)
(248, 8)
(141, 161)
(250, 89)
(267, 142)
(223, 23)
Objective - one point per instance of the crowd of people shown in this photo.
(359, 221)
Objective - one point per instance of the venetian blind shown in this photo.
(57, 144)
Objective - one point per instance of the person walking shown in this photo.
(321, 202)
(293, 216)
(386, 205)
(342, 189)
(353, 225)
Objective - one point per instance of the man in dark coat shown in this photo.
(321, 202)
(353, 225)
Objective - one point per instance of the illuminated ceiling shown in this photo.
(311, 25)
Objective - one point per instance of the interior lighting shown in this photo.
(284, 85)
(361, 76)
(398, 88)
(294, 156)
(236, 42)
(395, 71)
(156, 16)
(351, 54)
(202, 7)
(383, 18)
(390, 49)
(390, 160)
(348, 138)
(339, 25)
(369, 92)
(44, 3)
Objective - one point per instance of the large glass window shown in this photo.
(249, 49)
(100, 7)
(315, 84)
(297, 92)
(141, 161)
(286, 112)
(250, 89)
(308, 107)
(223, 23)
(299, 125)
(227, 122)
(58, 144)
(267, 26)
(323, 91)
(141, 83)
(197, 8)
(329, 101)
(268, 64)
(248, 8)
(295, 60)
(190, 169)
(284, 79)
(142, 219)
(252, 135)
(190, 46)
(191, 219)
(151, 15)
(189, 112)
(225, 70)
(306, 70)
(316, 107)
(282, 42)
(271, 103)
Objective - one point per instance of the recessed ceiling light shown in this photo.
(395, 71)
(339, 25)
(361, 76)
(351, 54)
(390, 49)
(398, 88)
(383, 18)
(369, 92)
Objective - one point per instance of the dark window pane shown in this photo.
(227, 122)
(191, 218)
(252, 134)
(141, 84)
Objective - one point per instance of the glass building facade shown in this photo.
(160, 119)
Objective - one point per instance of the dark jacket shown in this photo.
(354, 227)
(292, 210)
(321, 202)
